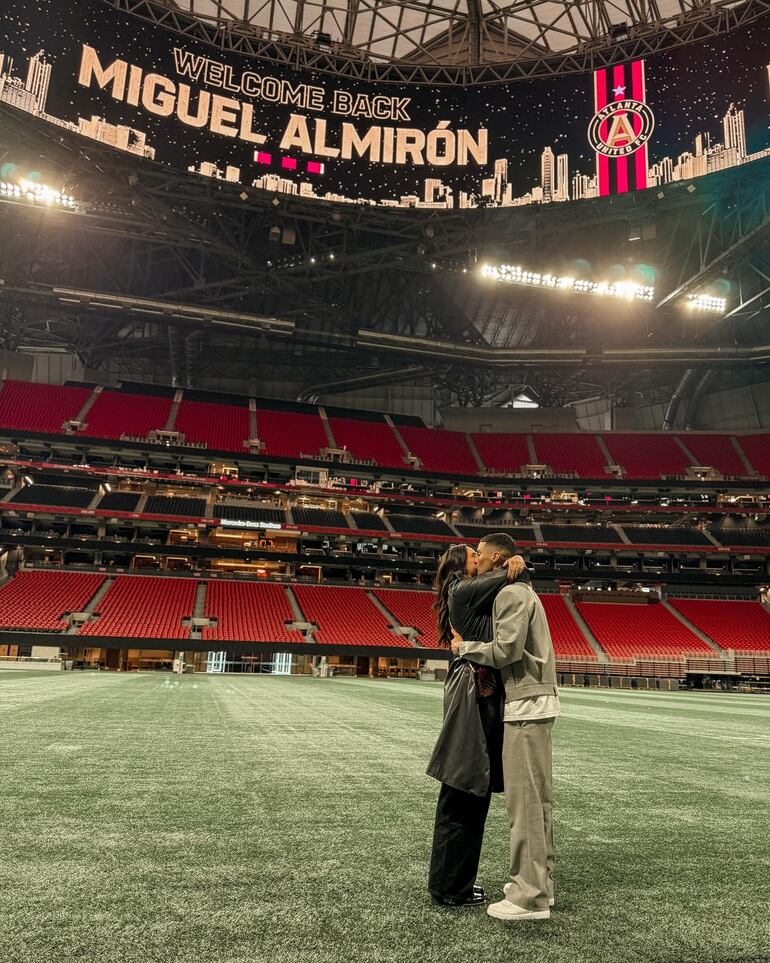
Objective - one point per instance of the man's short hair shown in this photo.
(500, 542)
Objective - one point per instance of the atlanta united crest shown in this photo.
(621, 128)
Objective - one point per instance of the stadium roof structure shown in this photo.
(443, 31)
(447, 41)
(155, 275)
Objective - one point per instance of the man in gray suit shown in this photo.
(523, 652)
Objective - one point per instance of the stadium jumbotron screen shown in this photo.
(125, 82)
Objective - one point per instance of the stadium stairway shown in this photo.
(694, 629)
(531, 450)
(90, 607)
(386, 522)
(601, 655)
(408, 632)
(200, 601)
(605, 450)
(621, 534)
(12, 492)
(707, 534)
(88, 404)
(327, 427)
(450, 525)
(300, 623)
(174, 411)
(750, 470)
(399, 437)
(693, 459)
(199, 620)
(475, 452)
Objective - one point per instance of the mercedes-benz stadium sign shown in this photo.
(250, 523)
(115, 78)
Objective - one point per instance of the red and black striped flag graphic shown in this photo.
(621, 128)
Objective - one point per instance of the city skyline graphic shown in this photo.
(719, 127)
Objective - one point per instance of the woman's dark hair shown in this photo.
(451, 568)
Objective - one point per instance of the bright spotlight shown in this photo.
(34, 193)
(514, 274)
(706, 302)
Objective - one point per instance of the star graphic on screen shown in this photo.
(619, 91)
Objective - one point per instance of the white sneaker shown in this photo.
(505, 910)
(507, 887)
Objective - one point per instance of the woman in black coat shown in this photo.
(467, 759)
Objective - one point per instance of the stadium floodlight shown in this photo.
(35, 193)
(9, 190)
(515, 274)
(706, 302)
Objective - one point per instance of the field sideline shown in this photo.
(236, 819)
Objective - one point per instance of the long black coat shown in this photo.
(468, 751)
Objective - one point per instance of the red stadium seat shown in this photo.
(716, 451)
(249, 612)
(221, 427)
(345, 616)
(569, 452)
(144, 606)
(153, 607)
(38, 599)
(441, 451)
(757, 450)
(568, 639)
(368, 441)
(412, 609)
(627, 631)
(289, 434)
(42, 408)
(502, 452)
(647, 455)
(117, 413)
(294, 434)
(743, 626)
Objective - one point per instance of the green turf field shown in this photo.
(237, 819)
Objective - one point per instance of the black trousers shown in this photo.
(459, 828)
(457, 837)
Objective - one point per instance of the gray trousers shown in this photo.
(528, 798)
